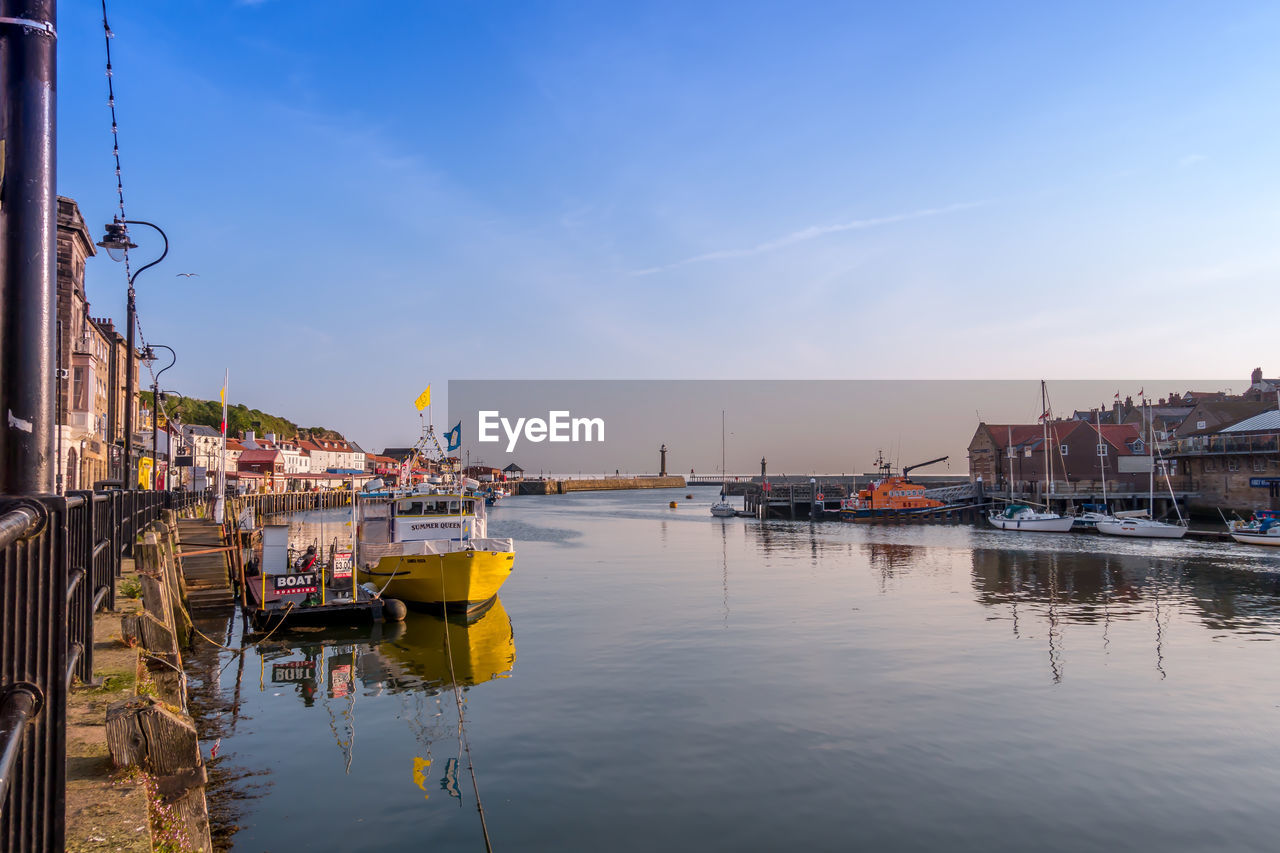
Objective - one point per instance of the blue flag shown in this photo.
(454, 437)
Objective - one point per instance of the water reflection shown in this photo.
(437, 653)
(1063, 588)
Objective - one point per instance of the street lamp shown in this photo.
(155, 409)
(117, 239)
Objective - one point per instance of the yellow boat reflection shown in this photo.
(482, 648)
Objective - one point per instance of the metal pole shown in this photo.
(155, 413)
(28, 244)
(130, 481)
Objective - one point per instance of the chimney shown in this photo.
(271, 437)
(249, 435)
(1257, 376)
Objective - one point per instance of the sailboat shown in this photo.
(722, 508)
(1088, 520)
(1148, 527)
(1024, 518)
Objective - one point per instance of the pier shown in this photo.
(595, 484)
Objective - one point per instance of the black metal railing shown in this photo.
(59, 559)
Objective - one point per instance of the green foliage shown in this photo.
(131, 588)
(240, 417)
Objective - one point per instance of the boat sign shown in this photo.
(341, 564)
(305, 582)
(293, 671)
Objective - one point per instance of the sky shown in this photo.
(382, 198)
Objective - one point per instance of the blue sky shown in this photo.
(715, 190)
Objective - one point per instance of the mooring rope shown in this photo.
(457, 698)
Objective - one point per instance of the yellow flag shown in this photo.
(424, 399)
(222, 393)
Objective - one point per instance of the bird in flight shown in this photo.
(188, 274)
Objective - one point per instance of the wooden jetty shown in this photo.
(203, 560)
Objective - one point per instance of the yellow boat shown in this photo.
(432, 549)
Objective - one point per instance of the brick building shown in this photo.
(1075, 451)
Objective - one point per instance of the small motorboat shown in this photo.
(723, 509)
(1263, 529)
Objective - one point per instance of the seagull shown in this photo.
(188, 274)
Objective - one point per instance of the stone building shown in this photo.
(91, 363)
(1232, 468)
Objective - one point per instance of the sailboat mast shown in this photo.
(1102, 460)
(724, 475)
(1044, 423)
(1151, 474)
(1008, 451)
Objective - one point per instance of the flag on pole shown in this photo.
(424, 399)
(454, 437)
(222, 395)
(1117, 396)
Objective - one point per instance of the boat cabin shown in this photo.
(893, 493)
(419, 517)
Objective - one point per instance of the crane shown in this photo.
(910, 468)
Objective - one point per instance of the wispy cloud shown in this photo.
(811, 233)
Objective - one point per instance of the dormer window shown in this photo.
(1138, 446)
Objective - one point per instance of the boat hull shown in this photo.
(1255, 538)
(461, 580)
(1140, 530)
(723, 511)
(1032, 525)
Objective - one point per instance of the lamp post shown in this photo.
(117, 238)
(155, 411)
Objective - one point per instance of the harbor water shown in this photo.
(656, 679)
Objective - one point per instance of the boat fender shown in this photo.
(394, 609)
(688, 497)
(672, 504)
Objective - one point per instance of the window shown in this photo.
(1211, 465)
(1259, 463)
(79, 393)
(1233, 464)
(1102, 449)
(1027, 453)
(1199, 424)
(1138, 446)
(1062, 448)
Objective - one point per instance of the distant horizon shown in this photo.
(800, 426)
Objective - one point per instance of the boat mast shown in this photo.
(724, 477)
(1008, 451)
(1102, 461)
(1048, 460)
(1151, 474)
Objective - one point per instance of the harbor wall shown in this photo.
(602, 484)
(153, 732)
